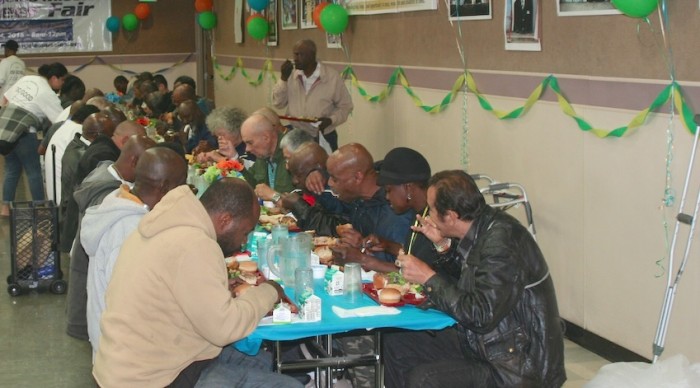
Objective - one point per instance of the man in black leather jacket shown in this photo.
(508, 331)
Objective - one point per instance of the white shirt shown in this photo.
(310, 80)
(63, 136)
(33, 93)
(64, 115)
(11, 70)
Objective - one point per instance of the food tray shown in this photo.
(304, 119)
(408, 298)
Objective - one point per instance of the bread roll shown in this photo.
(401, 288)
(247, 266)
(389, 295)
(379, 281)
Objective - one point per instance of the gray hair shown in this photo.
(294, 139)
(230, 119)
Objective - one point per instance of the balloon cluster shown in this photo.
(130, 21)
(331, 18)
(256, 24)
(205, 16)
(636, 8)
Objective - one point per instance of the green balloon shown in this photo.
(207, 20)
(130, 22)
(258, 27)
(636, 8)
(334, 19)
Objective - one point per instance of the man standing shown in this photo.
(268, 175)
(169, 311)
(106, 226)
(315, 90)
(11, 68)
(508, 332)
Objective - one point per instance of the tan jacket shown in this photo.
(328, 97)
(168, 304)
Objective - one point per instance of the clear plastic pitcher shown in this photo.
(293, 252)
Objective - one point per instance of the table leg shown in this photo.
(329, 370)
(277, 356)
(378, 366)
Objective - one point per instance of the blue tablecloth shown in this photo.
(410, 318)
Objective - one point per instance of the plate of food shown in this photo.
(408, 293)
(245, 274)
(389, 297)
(268, 221)
(322, 248)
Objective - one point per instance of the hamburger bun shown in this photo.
(389, 295)
(379, 281)
(241, 289)
(248, 266)
(340, 229)
(232, 264)
(249, 278)
(401, 288)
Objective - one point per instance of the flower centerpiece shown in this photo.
(222, 169)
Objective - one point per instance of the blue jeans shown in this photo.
(235, 369)
(24, 156)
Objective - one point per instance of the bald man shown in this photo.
(194, 129)
(105, 227)
(324, 212)
(268, 175)
(308, 88)
(107, 177)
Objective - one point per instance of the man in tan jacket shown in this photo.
(168, 311)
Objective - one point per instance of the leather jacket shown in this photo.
(504, 303)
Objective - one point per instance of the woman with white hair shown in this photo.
(225, 124)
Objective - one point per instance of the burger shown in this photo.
(248, 266)
(389, 295)
(379, 281)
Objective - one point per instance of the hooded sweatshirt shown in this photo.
(168, 303)
(102, 233)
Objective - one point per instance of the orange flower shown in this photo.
(229, 165)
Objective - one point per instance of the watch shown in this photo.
(276, 197)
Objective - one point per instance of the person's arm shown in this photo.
(280, 99)
(312, 217)
(348, 254)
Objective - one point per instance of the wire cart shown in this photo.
(35, 259)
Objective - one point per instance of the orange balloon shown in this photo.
(252, 16)
(317, 14)
(142, 11)
(203, 5)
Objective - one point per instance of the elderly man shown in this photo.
(315, 90)
(170, 286)
(194, 131)
(268, 175)
(321, 213)
(105, 226)
(508, 332)
(106, 178)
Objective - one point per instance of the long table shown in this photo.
(409, 317)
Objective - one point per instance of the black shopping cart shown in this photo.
(35, 259)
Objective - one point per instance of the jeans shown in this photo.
(419, 359)
(24, 156)
(235, 369)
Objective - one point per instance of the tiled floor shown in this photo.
(36, 352)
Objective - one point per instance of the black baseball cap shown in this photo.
(11, 44)
(403, 165)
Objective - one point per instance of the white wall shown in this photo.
(596, 202)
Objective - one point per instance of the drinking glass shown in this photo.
(352, 285)
(303, 284)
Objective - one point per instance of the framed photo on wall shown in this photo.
(585, 8)
(470, 9)
(307, 10)
(271, 16)
(290, 15)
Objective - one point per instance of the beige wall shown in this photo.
(596, 202)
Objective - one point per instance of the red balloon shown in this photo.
(317, 14)
(142, 11)
(203, 5)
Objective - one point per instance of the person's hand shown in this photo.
(344, 253)
(351, 237)
(315, 182)
(413, 269)
(428, 228)
(202, 147)
(286, 70)
(325, 122)
(278, 288)
(226, 148)
(264, 192)
(373, 243)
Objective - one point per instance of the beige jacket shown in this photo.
(328, 97)
(168, 304)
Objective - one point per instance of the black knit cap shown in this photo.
(403, 165)
(11, 44)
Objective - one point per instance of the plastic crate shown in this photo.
(35, 261)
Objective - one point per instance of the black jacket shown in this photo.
(504, 303)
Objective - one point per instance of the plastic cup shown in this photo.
(352, 284)
(303, 284)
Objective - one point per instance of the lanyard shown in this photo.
(414, 234)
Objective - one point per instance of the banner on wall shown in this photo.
(369, 7)
(56, 26)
